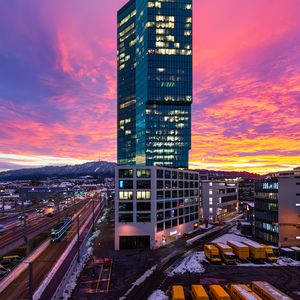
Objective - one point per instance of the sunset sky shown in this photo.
(58, 83)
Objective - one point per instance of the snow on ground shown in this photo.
(190, 264)
(71, 284)
(158, 295)
(284, 261)
(209, 226)
(198, 237)
(139, 281)
(231, 237)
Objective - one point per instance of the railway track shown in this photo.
(14, 236)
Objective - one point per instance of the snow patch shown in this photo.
(284, 261)
(190, 264)
(231, 237)
(71, 284)
(158, 295)
(139, 281)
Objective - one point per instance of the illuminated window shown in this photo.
(143, 195)
(125, 195)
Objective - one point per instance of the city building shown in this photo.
(35, 194)
(277, 209)
(154, 83)
(218, 200)
(154, 206)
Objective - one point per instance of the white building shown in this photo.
(154, 205)
(218, 199)
(289, 208)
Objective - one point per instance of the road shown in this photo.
(19, 289)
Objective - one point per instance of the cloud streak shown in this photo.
(58, 83)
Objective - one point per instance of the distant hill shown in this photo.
(97, 169)
(231, 174)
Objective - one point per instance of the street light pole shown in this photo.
(78, 247)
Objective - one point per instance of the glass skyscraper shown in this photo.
(155, 82)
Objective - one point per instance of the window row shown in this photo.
(140, 173)
(140, 195)
(140, 184)
(174, 213)
(140, 218)
(176, 194)
(167, 184)
(175, 203)
(176, 175)
(175, 222)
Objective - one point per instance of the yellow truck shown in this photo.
(241, 292)
(268, 291)
(198, 292)
(270, 256)
(216, 292)
(257, 252)
(177, 292)
(212, 253)
(241, 251)
(226, 253)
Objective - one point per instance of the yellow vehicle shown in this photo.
(268, 291)
(241, 292)
(198, 292)
(226, 253)
(257, 252)
(212, 253)
(270, 256)
(177, 292)
(240, 250)
(216, 292)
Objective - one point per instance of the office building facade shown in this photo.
(218, 200)
(155, 83)
(154, 206)
(277, 209)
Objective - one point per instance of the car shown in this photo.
(21, 217)
(2, 228)
(50, 204)
(40, 211)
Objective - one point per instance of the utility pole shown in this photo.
(78, 246)
(93, 214)
(25, 228)
(30, 281)
(3, 208)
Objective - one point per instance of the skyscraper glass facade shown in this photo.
(155, 82)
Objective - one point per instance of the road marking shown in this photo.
(99, 278)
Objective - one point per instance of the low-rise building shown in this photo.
(218, 199)
(277, 209)
(154, 205)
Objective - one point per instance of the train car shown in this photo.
(268, 291)
(177, 292)
(242, 292)
(60, 229)
(216, 292)
(198, 292)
